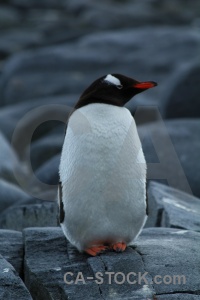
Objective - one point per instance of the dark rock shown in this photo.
(33, 28)
(172, 153)
(21, 216)
(27, 116)
(48, 172)
(10, 194)
(45, 148)
(59, 70)
(171, 252)
(47, 195)
(9, 16)
(159, 251)
(177, 296)
(169, 207)
(9, 165)
(64, 31)
(15, 40)
(41, 61)
(182, 101)
(48, 256)
(118, 14)
(11, 285)
(12, 248)
(43, 3)
(66, 21)
(140, 13)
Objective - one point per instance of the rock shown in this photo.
(141, 13)
(10, 194)
(169, 207)
(27, 215)
(47, 195)
(37, 112)
(21, 28)
(60, 69)
(170, 252)
(48, 172)
(9, 165)
(182, 101)
(49, 256)
(43, 3)
(172, 153)
(118, 14)
(43, 183)
(12, 248)
(177, 296)
(44, 276)
(45, 148)
(9, 16)
(11, 285)
(62, 81)
(66, 21)
(14, 40)
(134, 14)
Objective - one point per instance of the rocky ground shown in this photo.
(50, 51)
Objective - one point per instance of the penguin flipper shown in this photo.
(147, 202)
(61, 206)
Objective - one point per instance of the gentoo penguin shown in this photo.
(102, 190)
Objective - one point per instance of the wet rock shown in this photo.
(182, 101)
(172, 153)
(11, 285)
(27, 215)
(169, 207)
(58, 70)
(12, 248)
(10, 194)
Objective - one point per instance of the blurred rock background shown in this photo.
(50, 51)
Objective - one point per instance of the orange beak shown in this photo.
(145, 85)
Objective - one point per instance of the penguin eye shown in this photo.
(120, 86)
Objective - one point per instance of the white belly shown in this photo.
(103, 174)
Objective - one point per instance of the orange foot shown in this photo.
(95, 250)
(119, 247)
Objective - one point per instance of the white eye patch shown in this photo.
(113, 80)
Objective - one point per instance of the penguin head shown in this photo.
(115, 89)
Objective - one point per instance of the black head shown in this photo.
(113, 89)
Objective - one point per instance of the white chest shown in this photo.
(101, 138)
